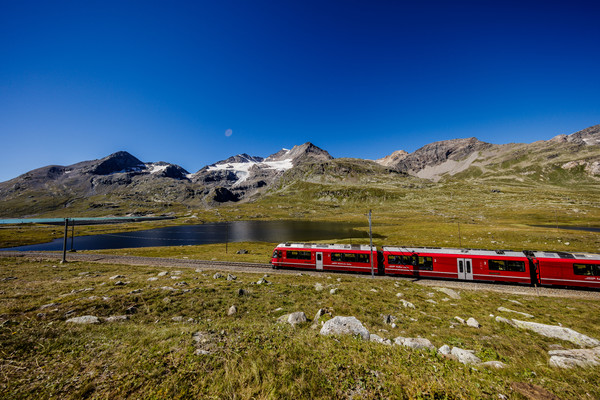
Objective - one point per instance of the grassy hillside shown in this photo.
(180, 342)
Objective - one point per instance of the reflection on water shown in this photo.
(238, 231)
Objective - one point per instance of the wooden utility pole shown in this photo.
(371, 242)
(64, 257)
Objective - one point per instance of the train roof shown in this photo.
(462, 252)
(565, 255)
(324, 246)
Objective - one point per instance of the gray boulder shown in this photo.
(293, 319)
(414, 343)
(85, 319)
(218, 275)
(231, 277)
(345, 326)
(465, 356)
(445, 349)
(472, 322)
(232, 310)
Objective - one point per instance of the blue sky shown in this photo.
(166, 80)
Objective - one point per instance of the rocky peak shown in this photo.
(392, 159)
(587, 137)
(301, 153)
(439, 152)
(241, 158)
(120, 161)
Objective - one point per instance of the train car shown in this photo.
(464, 264)
(329, 257)
(568, 269)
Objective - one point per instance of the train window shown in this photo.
(298, 255)
(586, 269)
(277, 254)
(400, 260)
(426, 263)
(350, 257)
(506, 265)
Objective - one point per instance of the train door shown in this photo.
(464, 267)
(319, 258)
(468, 269)
(460, 266)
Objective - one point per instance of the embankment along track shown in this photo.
(264, 268)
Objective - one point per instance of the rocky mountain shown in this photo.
(459, 158)
(122, 184)
(243, 176)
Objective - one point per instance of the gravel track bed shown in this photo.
(583, 294)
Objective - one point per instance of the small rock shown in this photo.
(217, 275)
(120, 283)
(231, 277)
(431, 301)
(117, 277)
(117, 318)
(345, 326)
(374, 290)
(136, 291)
(318, 287)
(494, 364)
(407, 304)
(445, 349)
(164, 273)
(399, 294)
(262, 281)
(333, 291)
(85, 319)
(448, 292)
(388, 318)
(131, 310)
(503, 309)
(152, 279)
(379, 339)
(182, 283)
(339, 279)
(201, 352)
(506, 321)
(294, 318)
(232, 310)
(177, 318)
(49, 305)
(167, 288)
(459, 319)
(393, 325)
(242, 251)
(472, 322)
(242, 292)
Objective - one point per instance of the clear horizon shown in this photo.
(192, 83)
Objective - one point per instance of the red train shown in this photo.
(526, 267)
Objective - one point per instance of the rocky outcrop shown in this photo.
(345, 326)
(558, 332)
(574, 358)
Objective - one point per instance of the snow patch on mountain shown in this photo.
(242, 169)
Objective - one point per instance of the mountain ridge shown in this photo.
(150, 186)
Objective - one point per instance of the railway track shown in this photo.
(264, 268)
